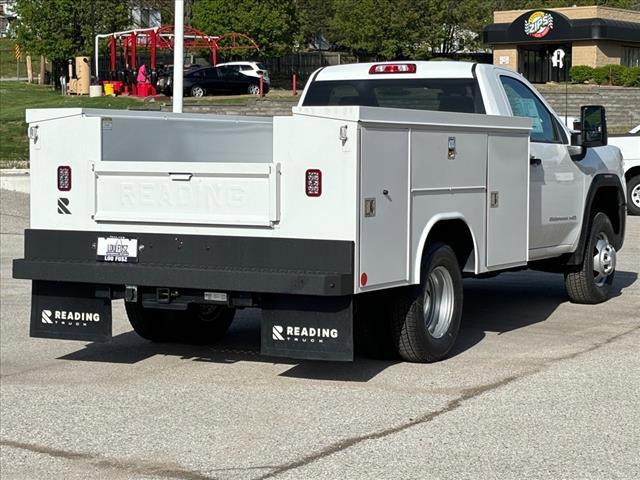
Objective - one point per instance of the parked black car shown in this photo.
(214, 80)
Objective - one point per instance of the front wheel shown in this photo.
(427, 319)
(198, 91)
(633, 194)
(592, 283)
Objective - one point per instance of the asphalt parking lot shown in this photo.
(536, 388)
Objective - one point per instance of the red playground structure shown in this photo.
(129, 50)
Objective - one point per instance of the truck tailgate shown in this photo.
(187, 193)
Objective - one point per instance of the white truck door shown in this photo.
(384, 198)
(555, 197)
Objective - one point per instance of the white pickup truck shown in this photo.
(351, 222)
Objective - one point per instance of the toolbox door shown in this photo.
(384, 199)
(507, 201)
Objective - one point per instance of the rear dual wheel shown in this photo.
(427, 323)
(418, 324)
(199, 324)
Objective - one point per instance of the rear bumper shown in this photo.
(232, 264)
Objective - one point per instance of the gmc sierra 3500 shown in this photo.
(355, 219)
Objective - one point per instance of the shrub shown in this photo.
(581, 73)
(601, 75)
(618, 75)
(631, 77)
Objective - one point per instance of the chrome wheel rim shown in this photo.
(254, 89)
(604, 260)
(438, 302)
(198, 92)
(635, 195)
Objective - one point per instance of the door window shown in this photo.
(525, 103)
(210, 74)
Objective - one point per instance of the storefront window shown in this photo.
(630, 56)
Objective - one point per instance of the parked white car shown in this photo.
(252, 69)
(629, 145)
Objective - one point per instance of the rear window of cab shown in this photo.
(460, 95)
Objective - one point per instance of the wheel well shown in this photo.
(632, 172)
(606, 201)
(457, 235)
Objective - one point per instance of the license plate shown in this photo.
(117, 249)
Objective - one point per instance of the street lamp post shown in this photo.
(178, 57)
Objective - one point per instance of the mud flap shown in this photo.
(69, 311)
(308, 327)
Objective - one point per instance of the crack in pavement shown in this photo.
(468, 394)
(130, 466)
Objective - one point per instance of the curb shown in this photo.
(15, 180)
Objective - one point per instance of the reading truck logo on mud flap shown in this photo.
(303, 334)
(64, 317)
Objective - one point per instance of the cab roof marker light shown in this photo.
(393, 68)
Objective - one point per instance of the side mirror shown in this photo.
(594, 126)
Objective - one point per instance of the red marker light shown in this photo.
(313, 183)
(393, 68)
(364, 279)
(64, 178)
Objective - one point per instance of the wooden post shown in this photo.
(29, 70)
(42, 69)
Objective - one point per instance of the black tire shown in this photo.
(199, 324)
(150, 324)
(633, 195)
(429, 336)
(197, 91)
(588, 285)
(207, 323)
(372, 326)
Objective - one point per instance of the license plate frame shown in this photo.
(117, 249)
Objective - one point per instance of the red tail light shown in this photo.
(313, 183)
(393, 68)
(64, 178)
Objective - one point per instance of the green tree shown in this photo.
(383, 28)
(314, 17)
(271, 23)
(60, 29)
(528, 5)
(458, 25)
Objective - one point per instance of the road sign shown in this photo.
(18, 52)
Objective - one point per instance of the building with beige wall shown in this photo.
(527, 40)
